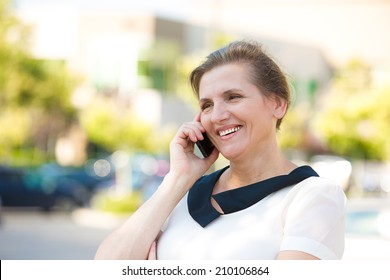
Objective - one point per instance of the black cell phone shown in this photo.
(205, 146)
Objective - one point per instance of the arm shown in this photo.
(134, 238)
(295, 255)
(313, 221)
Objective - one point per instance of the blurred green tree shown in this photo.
(188, 62)
(35, 104)
(156, 67)
(355, 117)
(114, 127)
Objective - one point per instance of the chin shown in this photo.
(231, 155)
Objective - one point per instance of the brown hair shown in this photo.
(265, 74)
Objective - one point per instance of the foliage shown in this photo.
(114, 128)
(294, 123)
(221, 39)
(35, 104)
(14, 125)
(355, 117)
(109, 201)
(184, 65)
(155, 66)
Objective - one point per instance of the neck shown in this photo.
(258, 167)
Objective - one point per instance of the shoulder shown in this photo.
(313, 218)
(319, 185)
(317, 192)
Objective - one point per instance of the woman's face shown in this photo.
(238, 118)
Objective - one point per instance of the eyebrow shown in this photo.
(203, 100)
(226, 92)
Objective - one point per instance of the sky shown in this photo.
(342, 29)
(176, 9)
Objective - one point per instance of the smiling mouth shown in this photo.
(229, 131)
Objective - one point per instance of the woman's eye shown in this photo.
(205, 106)
(231, 97)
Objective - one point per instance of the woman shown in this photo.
(261, 206)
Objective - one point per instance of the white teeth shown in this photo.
(228, 131)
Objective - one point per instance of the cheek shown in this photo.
(205, 120)
(264, 111)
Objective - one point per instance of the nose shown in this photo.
(219, 113)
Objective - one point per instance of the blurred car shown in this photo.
(15, 192)
(88, 176)
(367, 229)
(1, 211)
(332, 167)
(50, 186)
(373, 177)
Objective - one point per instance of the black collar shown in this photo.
(199, 196)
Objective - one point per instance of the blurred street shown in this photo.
(37, 235)
(30, 235)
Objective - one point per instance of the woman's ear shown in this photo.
(280, 107)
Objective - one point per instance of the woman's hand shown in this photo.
(183, 160)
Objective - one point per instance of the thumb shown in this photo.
(212, 157)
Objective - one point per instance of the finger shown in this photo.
(194, 136)
(200, 127)
(193, 131)
(188, 133)
(198, 117)
(212, 157)
(197, 120)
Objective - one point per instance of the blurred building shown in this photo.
(129, 50)
(108, 49)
